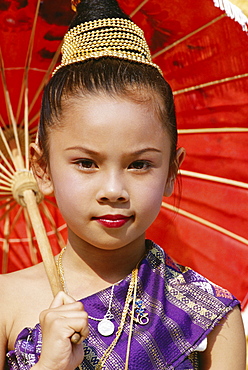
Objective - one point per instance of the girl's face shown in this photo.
(109, 165)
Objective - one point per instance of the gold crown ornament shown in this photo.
(74, 4)
(109, 37)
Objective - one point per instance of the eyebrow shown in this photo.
(93, 152)
(83, 149)
(145, 150)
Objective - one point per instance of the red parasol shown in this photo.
(204, 56)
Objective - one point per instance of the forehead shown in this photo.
(143, 95)
(102, 110)
(102, 119)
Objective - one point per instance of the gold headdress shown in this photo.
(110, 37)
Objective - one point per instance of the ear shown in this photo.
(40, 170)
(169, 187)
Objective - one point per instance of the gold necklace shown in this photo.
(60, 270)
(130, 297)
(105, 326)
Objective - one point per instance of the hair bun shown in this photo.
(90, 10)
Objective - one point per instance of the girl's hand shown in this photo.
(64, 317)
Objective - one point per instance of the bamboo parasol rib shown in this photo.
(217, 179)
(162, 51)
(24, 189)
(210, 83)
(28, 60)
(212, 130)
(138, 8)
(202, 221)
(18, 181)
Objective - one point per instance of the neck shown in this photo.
(89, 269)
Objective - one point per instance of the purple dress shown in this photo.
(177, 310)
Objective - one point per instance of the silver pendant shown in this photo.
(106, 328)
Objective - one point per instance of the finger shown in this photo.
(64, 327)
(75, 328)
(76, 306)
(61, 299)
(69, 311)
(79, 337)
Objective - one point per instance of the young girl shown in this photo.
(107, 149)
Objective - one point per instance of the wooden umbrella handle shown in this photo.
(44, 247)
(24, 190)
(43, 242)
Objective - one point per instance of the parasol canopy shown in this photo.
(204, 56)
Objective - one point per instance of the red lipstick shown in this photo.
(112, 221)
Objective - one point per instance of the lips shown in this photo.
(112, 221)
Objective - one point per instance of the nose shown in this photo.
(112, 189)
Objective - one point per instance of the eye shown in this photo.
(140, 165)
(86, 164)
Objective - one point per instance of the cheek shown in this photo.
(62, 192)
(150, 211)
(63, 179)
(73, 195)
(65, 192)
(150, 198)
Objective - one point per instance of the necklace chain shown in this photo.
(130, 297)
(108, 315)
(60, 268)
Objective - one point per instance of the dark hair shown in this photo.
(115, 77)
(90, 10)
(136, 81)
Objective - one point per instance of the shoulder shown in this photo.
(194, 284)
(24, 294)
(27, 284)
(224, 343)
(23, 282)
(225, 330)
(21, 286)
